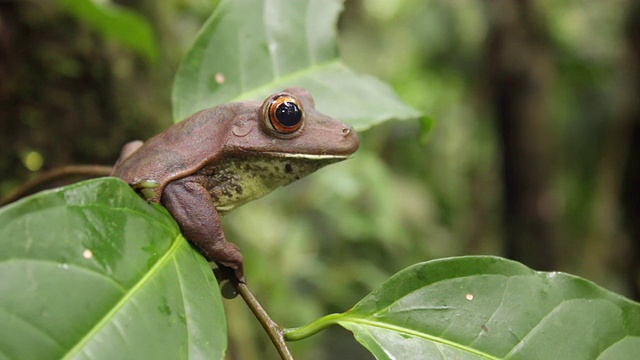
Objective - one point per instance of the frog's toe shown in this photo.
(240, 274)
(237, 268)
(231, 257)
(224, 273)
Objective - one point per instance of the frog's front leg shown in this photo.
(190, 205)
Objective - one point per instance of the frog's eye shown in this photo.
(283, 113)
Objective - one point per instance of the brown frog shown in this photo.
(223, 157)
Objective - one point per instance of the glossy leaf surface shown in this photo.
(491, 308)
(249, 49)
(93, 271)
(485, 307)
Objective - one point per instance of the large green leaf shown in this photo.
(249, 49)
(490, 308)
(93, 271)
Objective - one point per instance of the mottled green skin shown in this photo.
(223, 157)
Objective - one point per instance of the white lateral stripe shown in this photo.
(310, 156)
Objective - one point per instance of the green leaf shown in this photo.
(426, 129)
(93, 271)
(117, 23)
(490, 308)
(249, 49)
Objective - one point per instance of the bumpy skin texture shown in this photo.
(222, 157)
(181, 150)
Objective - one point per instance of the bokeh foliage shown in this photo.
(308, 251)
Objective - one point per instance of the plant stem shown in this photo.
(275, 332)
(50, 177)
(303, 332)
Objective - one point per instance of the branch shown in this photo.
(275, 332)
(48, 178)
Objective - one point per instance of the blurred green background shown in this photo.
(533, 154)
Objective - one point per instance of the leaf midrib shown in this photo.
(403, 330)
(284, 78)
(125, 299)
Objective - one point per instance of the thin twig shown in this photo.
(275, 332)
(48, 178)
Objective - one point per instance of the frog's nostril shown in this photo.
(346, 131)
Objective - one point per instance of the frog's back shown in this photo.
(179, 151)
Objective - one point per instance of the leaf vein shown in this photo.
(504, 293)
(31, 325)
(69, 265)
(285, 78)
(410, 332)
(127, 297)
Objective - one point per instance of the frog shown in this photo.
(220, 158)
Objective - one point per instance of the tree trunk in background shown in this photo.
(520, 75)
(631, 181)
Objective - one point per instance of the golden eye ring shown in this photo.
(283, 113)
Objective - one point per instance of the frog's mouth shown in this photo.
(308, 156)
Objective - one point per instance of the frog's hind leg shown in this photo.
(189, 202)
(128, 149)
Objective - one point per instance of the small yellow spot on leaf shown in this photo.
(469, 297)
(87, 254)
(219, 78)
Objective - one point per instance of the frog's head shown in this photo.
(288, 127)
(278, 142)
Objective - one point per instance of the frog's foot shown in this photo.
(228, 255)
(226, 279)
(224, 254)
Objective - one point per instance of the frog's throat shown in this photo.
(237, 181)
